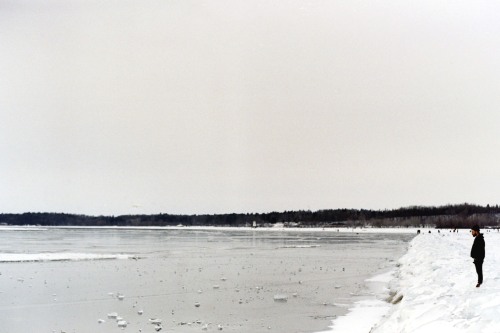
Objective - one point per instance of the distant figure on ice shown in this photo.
(477, 252)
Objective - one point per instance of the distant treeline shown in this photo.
(450, 216)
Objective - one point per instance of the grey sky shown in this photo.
(177, 106)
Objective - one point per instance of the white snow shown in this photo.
(63, 256)
(21, 228)
(437, 280)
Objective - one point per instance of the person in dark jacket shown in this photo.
(477, 252)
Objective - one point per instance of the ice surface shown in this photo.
(21, 257)
(175, 265)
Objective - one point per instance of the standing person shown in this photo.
(477, 252)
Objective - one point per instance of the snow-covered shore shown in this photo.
(436, 279)
(277, 227)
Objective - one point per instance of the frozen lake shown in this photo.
(55, 279)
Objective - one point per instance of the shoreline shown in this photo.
(366, 313)
(434, 290)
(437, 280)
(403, 230)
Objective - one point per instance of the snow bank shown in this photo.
(437, 281)
(21, 257)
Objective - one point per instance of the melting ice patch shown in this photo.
(23, 257)
(299, 246)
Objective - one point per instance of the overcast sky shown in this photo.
(219, 106)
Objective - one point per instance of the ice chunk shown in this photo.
(112, 315)
(280, 298)
(155, 321)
